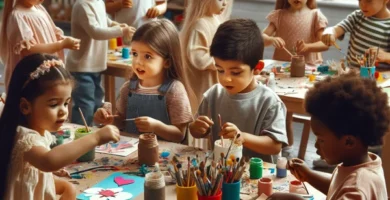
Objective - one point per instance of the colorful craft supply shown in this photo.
(265, 186)
(125, 52)
(231, 191)
(281, 167)
(256, 168)
(148, 149)
(90, 155)
(112, 44)
(119, 42)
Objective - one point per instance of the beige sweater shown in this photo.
(90, 24)
(199, 65)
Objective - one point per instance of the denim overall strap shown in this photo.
(147, 105)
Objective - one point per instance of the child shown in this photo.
(36, 106)
(369, 27)
(348, 115)
(26, 29)
(296, 25)
(136, 12)
(155, 98)
(200, 23)
(246, 107)
(91, 24)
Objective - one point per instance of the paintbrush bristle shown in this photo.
(178, 166)
(174, 159)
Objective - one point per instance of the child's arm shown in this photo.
(318, 46)
(65, 189)
(173, 133)
(197, 50)
(319, 180)
(157, 10)
(50, 48)
(330, 34)
(269, 39)
(65, 154)
(200, 128)
(261, 144)
(113, 6)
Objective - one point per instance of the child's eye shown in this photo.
(53, 105)
(66, 104)
(134, 54)
(220, 71)
(147, 56)
(236, 73)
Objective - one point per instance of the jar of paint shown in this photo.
(112, 44)
(255, 168)
(148, 149)
(264, 185)
(125, 52)
(119, 42)
(154, 186)
(281, 167)
(296, 187)
(90, 155)
(231, 191)
(297, 66)
(235, 150)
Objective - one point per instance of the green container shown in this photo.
(256, 168)
(90, 155)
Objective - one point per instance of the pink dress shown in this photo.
(27, 27)
(292, 27)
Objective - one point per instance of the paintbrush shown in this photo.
(220, 126)
(179, 174)
(85, 122)
(188, 177)
(304, 185)
(203, 188)
(130, 119)
(288, 51)
(338, 48)
(112, 115)
(231, 144)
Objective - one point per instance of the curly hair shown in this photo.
(350, 105)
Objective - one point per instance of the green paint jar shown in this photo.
(90, 155)
(256, 168)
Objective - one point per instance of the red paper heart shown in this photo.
(121, 181)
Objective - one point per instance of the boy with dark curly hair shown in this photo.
(348, 115)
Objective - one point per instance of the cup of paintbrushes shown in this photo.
(90, 155)
(218, 196)
(231, 191)
(367, 72)
(186, 193)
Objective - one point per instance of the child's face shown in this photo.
(50, 110)
(329, 147)
(147, 64)
(371, 8)
(235, 76)
(297, 4)
(218, 6)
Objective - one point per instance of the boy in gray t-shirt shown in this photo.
(245, 106)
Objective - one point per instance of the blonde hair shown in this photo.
(8, 7)
(283, 4)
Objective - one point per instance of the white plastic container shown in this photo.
(218, 149)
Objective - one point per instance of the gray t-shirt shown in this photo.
(259, 112)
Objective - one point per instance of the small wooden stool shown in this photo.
(305, 133)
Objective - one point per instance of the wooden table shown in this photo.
(95, 177)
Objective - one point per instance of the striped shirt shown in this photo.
(365, 32)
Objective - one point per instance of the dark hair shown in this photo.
(12, 116)
(239, 40)
(350, 105)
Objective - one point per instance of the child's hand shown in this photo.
(328, 39)
(128, 32)
(201, 125)
(70, 43)
(299, 169)
(62, 173)
(127, 3)
(229, 130)
(103, 116)
(107, 134)
(146, 124)
(302, 47)
(278, 42)
(153, 12)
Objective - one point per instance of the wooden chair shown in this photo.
(305, 120)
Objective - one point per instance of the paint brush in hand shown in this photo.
(220, 125)
(85, 122)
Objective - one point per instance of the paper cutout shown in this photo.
(124, 147)
(121, 181)
(109, 184)
(107, 194)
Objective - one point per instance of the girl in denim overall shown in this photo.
(155, 99)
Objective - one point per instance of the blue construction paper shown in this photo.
(135, 189)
